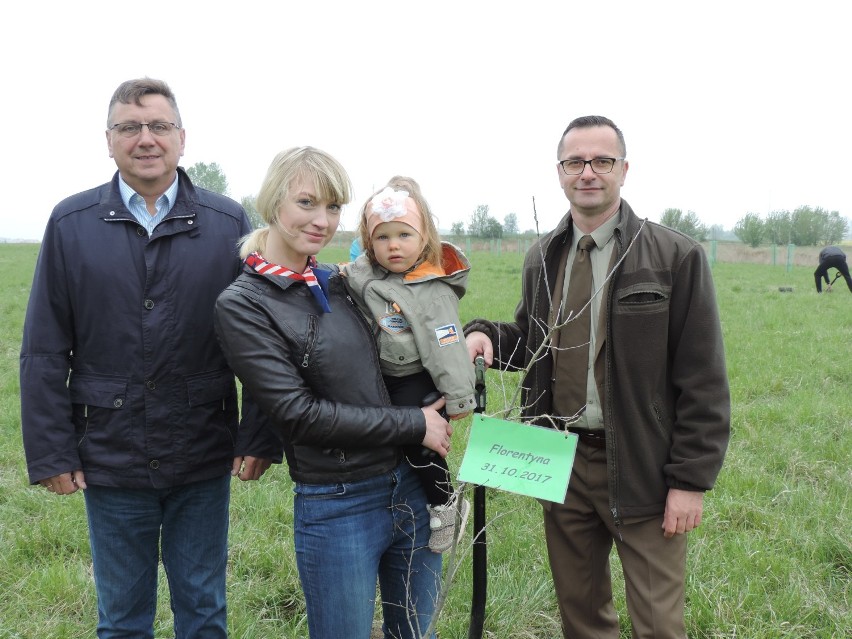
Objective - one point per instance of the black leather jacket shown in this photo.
(316, 375)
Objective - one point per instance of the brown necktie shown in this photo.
(573, 357)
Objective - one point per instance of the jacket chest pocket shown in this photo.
(642, 298)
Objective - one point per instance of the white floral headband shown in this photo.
(389, 204)
(393, 206)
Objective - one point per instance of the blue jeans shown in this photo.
(348, 536)
(126, 528)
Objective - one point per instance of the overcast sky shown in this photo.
(727, 107)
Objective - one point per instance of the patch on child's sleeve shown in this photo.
(447, 335)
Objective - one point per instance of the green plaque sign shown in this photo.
(519, 458)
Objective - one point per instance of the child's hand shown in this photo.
(460, 415)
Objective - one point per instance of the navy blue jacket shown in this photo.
(121, 372)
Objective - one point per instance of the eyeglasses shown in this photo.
(599, 165)
(132, 129)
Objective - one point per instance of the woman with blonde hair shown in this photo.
(305, 354)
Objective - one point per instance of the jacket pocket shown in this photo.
(101, 416)
(204, 388)
(400, 349)
(213, 415)
(98, 390)
(661, 420)
(645, 297)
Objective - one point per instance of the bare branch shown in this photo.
(549, 331)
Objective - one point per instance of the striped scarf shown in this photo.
(317, 280)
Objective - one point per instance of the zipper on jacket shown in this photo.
(86, 427)
(617, 521)
(311, 341)
(612, 445)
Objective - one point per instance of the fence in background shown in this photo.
(788, 255)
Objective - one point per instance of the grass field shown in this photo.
(773, 558)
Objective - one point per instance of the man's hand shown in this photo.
(478, 343)
(66, 483)
(250, 468)
(438, 429)
(683, 511)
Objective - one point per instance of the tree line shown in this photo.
(805, 226)
(483, 225)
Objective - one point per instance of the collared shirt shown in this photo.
(592, 418)
(135, 203)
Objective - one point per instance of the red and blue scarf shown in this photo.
(315, 278)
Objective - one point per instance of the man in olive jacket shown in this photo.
(654, 425)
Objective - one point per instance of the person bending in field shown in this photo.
(831, 257)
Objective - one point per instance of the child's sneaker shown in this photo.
(442, 522)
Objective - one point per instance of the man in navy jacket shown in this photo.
(124, 391)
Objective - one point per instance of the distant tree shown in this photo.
(835, 228)
(249, 203)
(510, 224)
(814, 226)
(719, 232)
(750, 229)
(493, 229)
(688, 224)
(483, 225)
(777, 227)
(457, 229)
(208, 176)
(807, 226)
(478, 221)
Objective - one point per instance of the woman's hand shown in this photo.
(438, 429)
(250, 468)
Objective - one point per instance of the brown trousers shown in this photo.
(580, 534)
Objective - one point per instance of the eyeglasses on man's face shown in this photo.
(132, 129)
(599, 165)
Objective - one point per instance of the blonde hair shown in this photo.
(432, 239)
(311, 165)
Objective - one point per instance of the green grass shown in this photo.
(773, 558)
